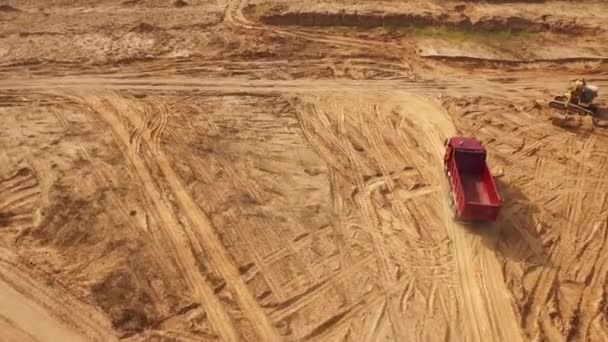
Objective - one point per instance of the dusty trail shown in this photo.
(57, 315)
(179, 244)
(484, 298)
(18, 312)
(452, 86)
(234, 16)
(187, 172)
(189, 238)
(484, 302)
(487, 301)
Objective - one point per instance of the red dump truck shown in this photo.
(473, 196)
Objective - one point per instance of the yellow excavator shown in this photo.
(578, 100)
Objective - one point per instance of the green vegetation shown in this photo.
(453, 33)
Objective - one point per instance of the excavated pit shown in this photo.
(450, 18)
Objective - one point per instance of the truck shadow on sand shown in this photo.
(514, 235)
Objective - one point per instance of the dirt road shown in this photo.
(272, 171)
(19, 312)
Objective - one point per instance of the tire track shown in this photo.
(486, 310)
(157, 126)
(233, 221)
(383, 158)
(218, 254)
(449, 84)
(188, 264)
(484, 297)
(21, 310)
(239, 182)
(578, 319)
(240, 86)
(338, 225)
(12, 332)
(202, 233)
(19, 199)
(58, 315)
(327, 140)
(234, 16)
(161, 251)
(546, 282)
(20, 196)
(362, 198)
(317, 144)
(135, 137)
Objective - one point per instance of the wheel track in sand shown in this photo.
(452, 87)
(313, 121)
(161, 251)
(343, 147)
(253, 190)
(352, 86)
(486, 300)
(20, 192)
(481, 293)
(268, 69)
(57, 313)
(296, 301)
(545, 285)
(234, 16)
(138, 131)
(168, 224)
(386, 162)
(478, 316)
(202, 235)
(157, 126)
(26, 297)
(12, 332)
(205, 234)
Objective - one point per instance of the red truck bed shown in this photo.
(474, 188)
(474, 193)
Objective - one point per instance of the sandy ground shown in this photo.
(272, 171)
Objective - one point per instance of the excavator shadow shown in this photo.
(515, 235)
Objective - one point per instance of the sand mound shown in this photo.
(8, 8)
(180, 3)
(144, 27)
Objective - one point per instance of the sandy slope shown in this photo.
(211, 171)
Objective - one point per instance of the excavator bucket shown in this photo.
(570, 114)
